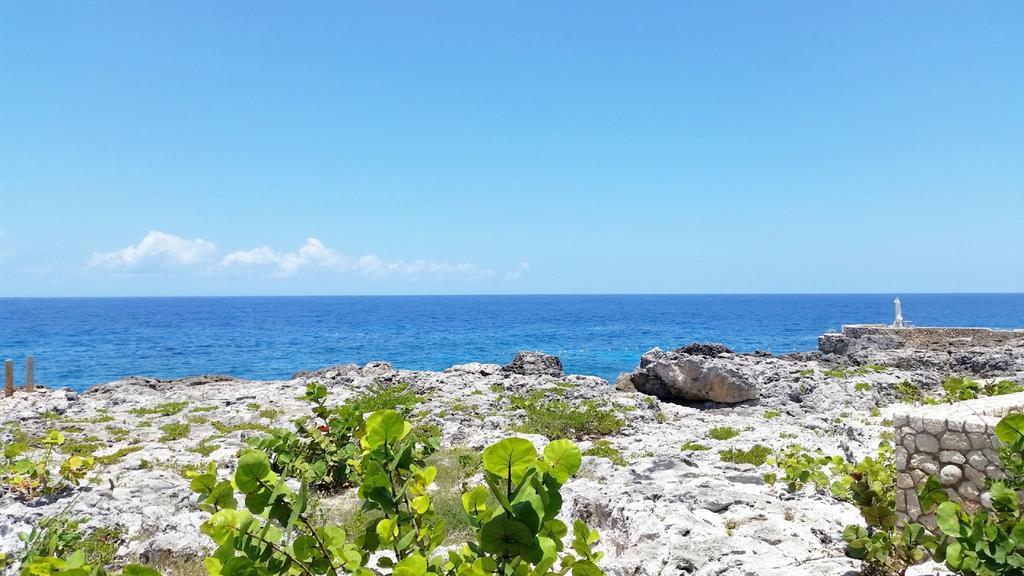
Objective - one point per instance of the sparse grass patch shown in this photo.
(198, 420)
(174, 431)
(723, 433)
(379, 396)
(604, 449)
(694, 446)
(835, 373)
(117, 432)
(205, 448)
(165, 409)
(269, 413)
(223, 428)
(117, 456)
(454, 468)
(756, 455)
(199, 409)
(560, 419)
(862, 386)
(252, 406)
(805, 373)
(771, 414)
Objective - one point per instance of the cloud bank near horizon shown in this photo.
(161, 251)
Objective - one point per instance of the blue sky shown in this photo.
(192, 148)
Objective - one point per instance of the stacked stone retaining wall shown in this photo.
(955, 442)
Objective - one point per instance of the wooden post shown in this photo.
(30, 374)
(8, 378)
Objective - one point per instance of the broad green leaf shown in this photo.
(384, 427)
(563, 458)
(586, 568)
(253, 468)
(304, 547)
(1003, 499)
(510, 458)
(505, 537)
(53, 438)
(414, 565)
(1010, 428)
(947, 518)
(474, 502)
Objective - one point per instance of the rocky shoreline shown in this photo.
(655, 484)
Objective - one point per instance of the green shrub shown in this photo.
(723, 433)
(756, 455)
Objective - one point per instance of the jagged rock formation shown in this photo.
(535, 364)
(695, 372)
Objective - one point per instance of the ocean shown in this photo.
(81, 342)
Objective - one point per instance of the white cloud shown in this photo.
(157, 249)
(517, 272)
(314, 254)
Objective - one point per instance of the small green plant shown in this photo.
(802, 468)
(723, 433)
(25, 469)
(862, 386)
(771, 414)
(604, 449)
(756, 455)
(835, 373)
(908, 393)
(174, 431)
(805, 373)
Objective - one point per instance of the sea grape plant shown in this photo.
(984, 542)
(272, 533)
(320, 448)
(27, 472)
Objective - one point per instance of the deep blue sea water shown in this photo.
(80, 342)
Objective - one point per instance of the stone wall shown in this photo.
(918, 337)
(957, 443)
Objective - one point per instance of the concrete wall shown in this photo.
(919, 337)
(957, 443)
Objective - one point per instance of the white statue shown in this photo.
(898, 322)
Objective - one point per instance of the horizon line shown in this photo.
(525, 294)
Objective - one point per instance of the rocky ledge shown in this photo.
(653, 482)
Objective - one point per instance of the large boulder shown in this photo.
(535, 364)
(681, 375)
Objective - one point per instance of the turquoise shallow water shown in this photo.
(80, 342)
